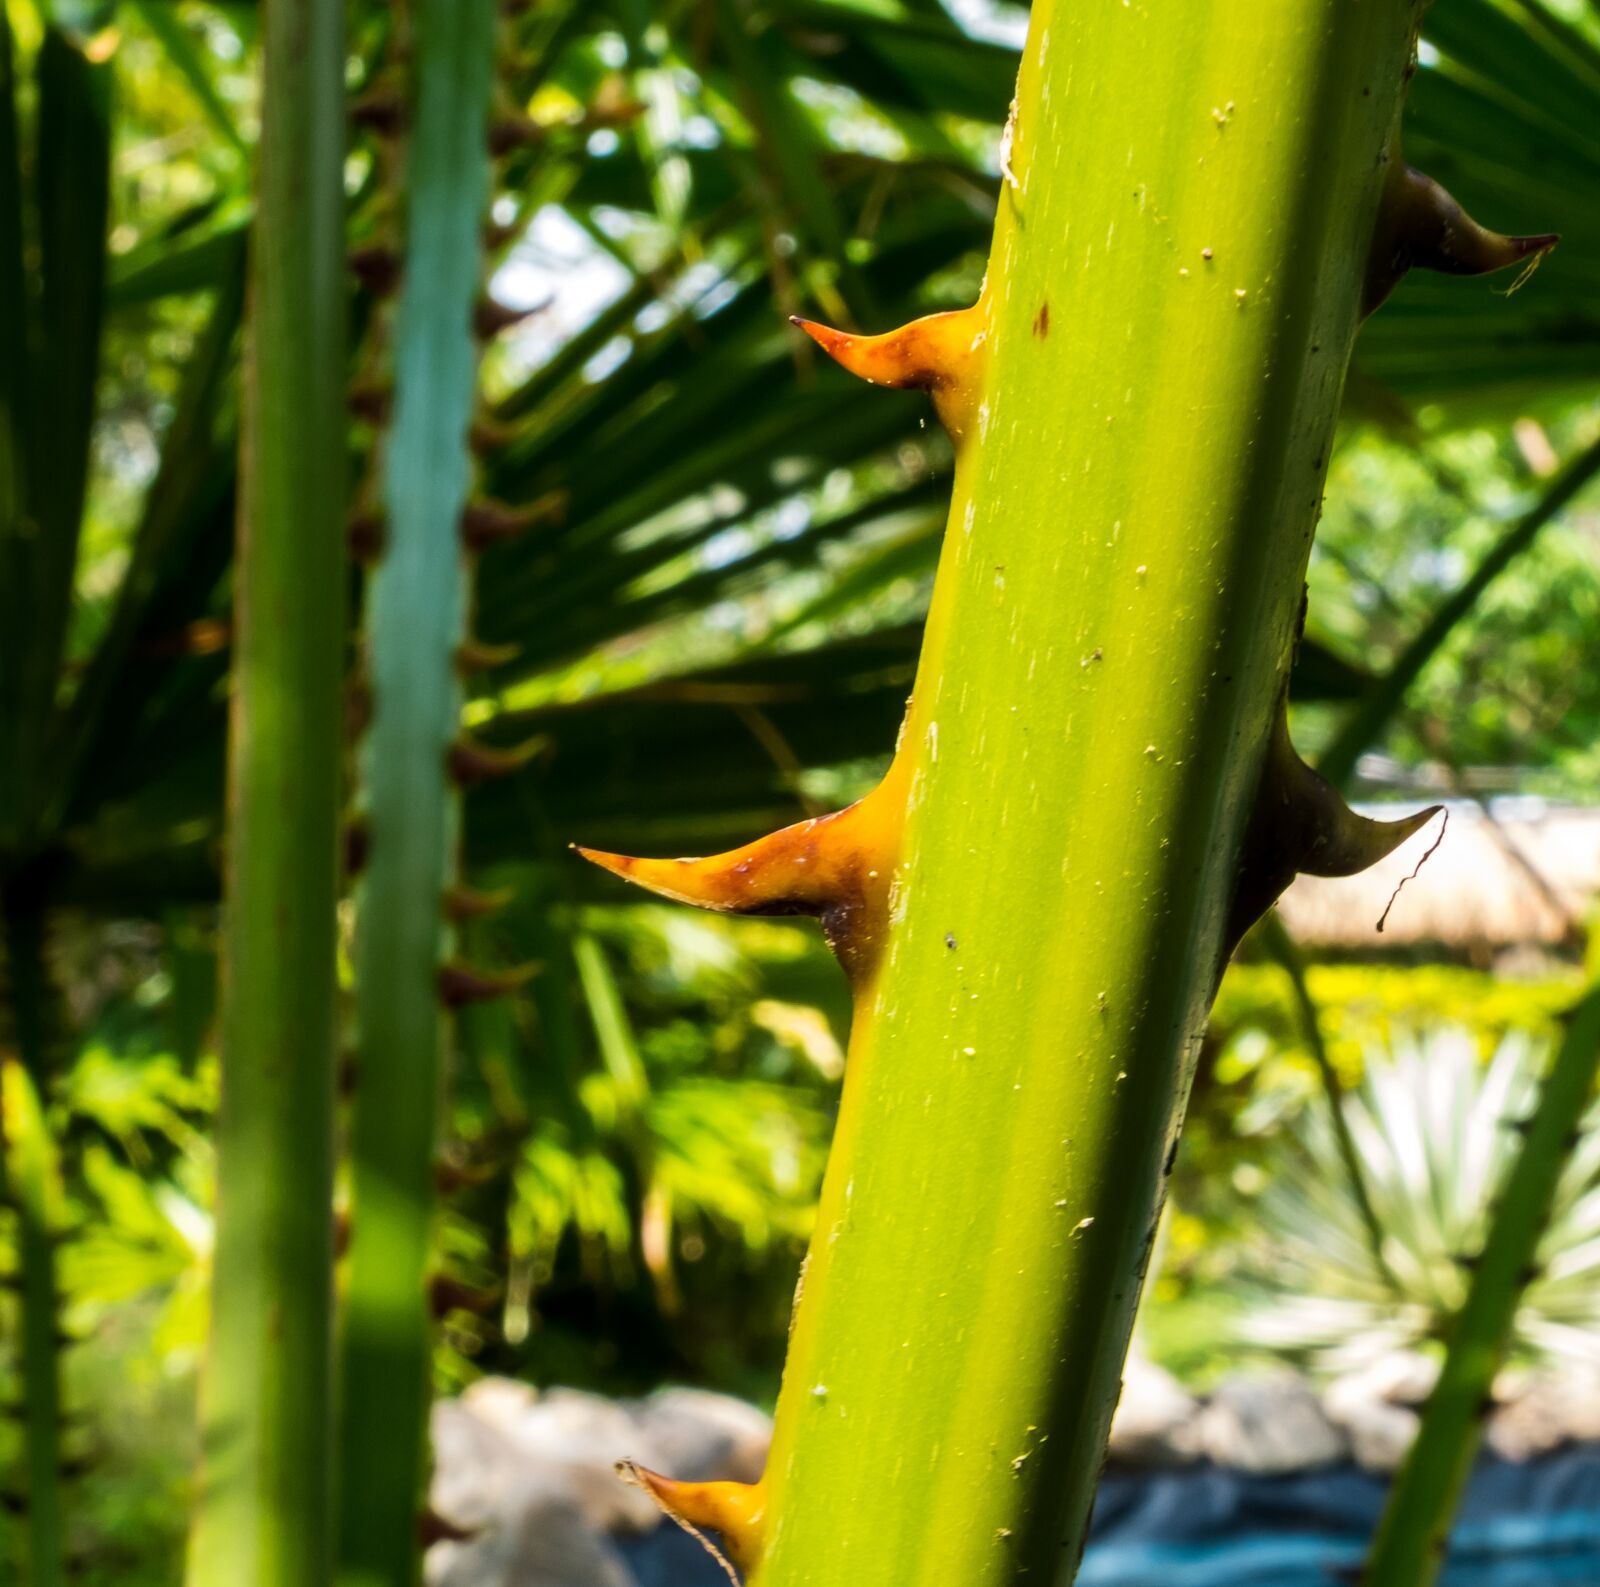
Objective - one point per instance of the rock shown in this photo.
(584, 1436)
(1375, 1407)
(501, 1402)
(474, 1466)
(1542, 1412)
(544, 1542)
(1380, 1434)
(532, 1476)
(1155, 1422)
(1268, 1424)
(1402, 1377)
(699, 1436)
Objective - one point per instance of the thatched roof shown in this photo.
(1525, 874)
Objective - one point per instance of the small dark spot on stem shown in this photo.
(949, 940)
(1041, 320)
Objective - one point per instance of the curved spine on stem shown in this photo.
(1421, 227)
(735, 1511)
(835, 867)
(942, 354)
(1301, 825)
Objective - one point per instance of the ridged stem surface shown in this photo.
(264, 1512)
(416, 624)
(32, 1186)
(1173, 292)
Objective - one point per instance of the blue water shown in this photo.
(1530, 1525)
(1535, 1524)
(1565, 1550)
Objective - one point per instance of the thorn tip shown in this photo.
(941, 354)
(735, 1511)
(835, 867)
(1420, 226)
(1301, 825)
(461, 984)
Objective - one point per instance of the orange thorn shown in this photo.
(1420, 226)
(485, 520)
(513, 131)
(381, 110)
(365, 531)
(357, 845)
(490, 316)
(460, 984)
(735, 1511)
(486, 435)
(434, 1528)
(449, 1177)
(475, 655)
(496, 236)
(377, 266)
(370, 400)
(470, 903)
(357, 706)
(472, 762)
(941, 354)
(836, 867)
(446, 1294)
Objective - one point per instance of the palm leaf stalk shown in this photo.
(414, 760)
(1094, 792)
(50, 305)
(264, 1514)
(1274, 936)
(1414, 1533)
(33, 1191)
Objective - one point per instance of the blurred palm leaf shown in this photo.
(722, 512)
(1434, 1127)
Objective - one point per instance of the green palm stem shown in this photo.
(1094, 792)
(416, 628)
(1374, 712)
(264, 1513)
(1110, 636)
(31, 1180)
(1414, 1533)
(619, 1051)
(1274, 937)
